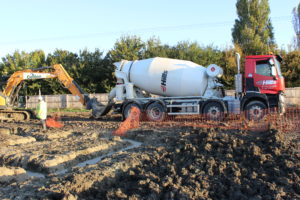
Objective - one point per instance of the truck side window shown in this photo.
(263, 68)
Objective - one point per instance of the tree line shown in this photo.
(93, 70)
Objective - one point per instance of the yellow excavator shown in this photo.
(8, 97)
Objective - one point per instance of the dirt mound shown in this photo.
(199, 164)
(12, 173)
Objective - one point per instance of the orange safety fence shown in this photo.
(132, 121)
(54, 122)
(287, 122)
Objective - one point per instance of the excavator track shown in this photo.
(16, 115)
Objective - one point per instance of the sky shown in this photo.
(78, 24)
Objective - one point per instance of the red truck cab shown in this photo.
(263, 74)
(263, 86)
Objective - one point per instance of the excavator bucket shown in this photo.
(54, 122)
(99, 109)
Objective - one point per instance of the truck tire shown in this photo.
(214, 111)
(127, 108)
(155, 112)
(255, 110)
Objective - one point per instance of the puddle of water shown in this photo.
(35, 174)
(93, 161)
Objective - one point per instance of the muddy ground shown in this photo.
(83, 160)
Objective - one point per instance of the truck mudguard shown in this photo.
(251, 96)
(214, 100)
(127, 102)
(156, 101)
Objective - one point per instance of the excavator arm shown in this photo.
(70, 84)
(57, 71)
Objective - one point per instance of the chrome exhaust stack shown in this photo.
(238, 78)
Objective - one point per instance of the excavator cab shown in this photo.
(3, 98)
(2, 101)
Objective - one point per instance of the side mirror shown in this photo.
(273, 71)
(271, 61)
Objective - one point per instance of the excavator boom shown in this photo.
(20, 76)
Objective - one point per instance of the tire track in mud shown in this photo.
(24, 160)
(134, 144)
(58, 151)
(36, 181)
(49, 159)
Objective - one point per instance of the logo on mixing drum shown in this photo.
(163, 84)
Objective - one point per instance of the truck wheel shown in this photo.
(127, 109)
(155, 112)
(255, 110)
(214, 111)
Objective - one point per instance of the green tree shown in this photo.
(23, 60)
(228, 63)
(291, 68)
(253, 30)
(95, 73)
(127, 48)
(296, 22)
(192, 51)
(186, 50)
(154, 48)
(89, 69)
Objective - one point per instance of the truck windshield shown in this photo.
(277, 64)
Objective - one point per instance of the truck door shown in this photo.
(265, 78)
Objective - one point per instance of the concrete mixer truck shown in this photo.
(184, 88)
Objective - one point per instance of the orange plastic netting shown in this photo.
(287, 122)
(53, 122)
(133, 121)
